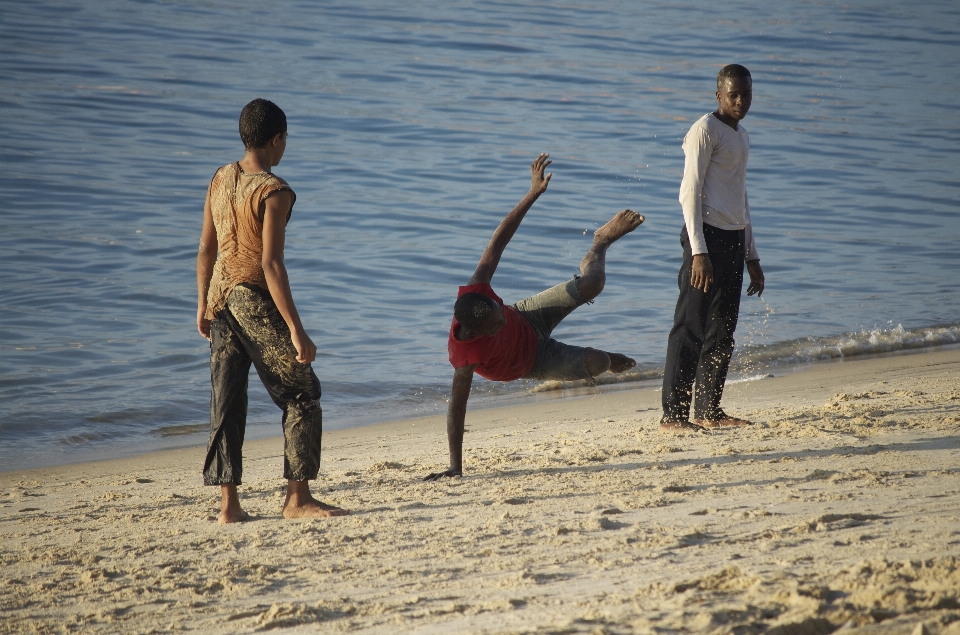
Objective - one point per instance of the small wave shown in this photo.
(635, 375)
(175, 431)
(859, 343)
(749, 363)
(741, 380)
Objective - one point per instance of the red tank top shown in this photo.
(508, 355)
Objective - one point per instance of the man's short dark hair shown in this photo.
(260, 121)
(472, 309)
(731, 71)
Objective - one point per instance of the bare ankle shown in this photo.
(300, 503)
(230, 509)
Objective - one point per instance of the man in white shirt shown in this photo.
(717, 239)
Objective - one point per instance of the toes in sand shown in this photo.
(232, 516)
(313, 509)
(726, 422)
(680, 427)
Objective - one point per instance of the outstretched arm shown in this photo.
(456, 415)
(508, 226)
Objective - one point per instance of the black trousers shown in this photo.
(251, 330)
(701, 340)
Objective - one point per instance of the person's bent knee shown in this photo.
(597, 362)
(590, 287)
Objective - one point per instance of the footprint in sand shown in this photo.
(607, 524)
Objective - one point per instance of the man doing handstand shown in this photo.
(504, 343)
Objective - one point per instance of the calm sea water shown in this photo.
(412, 126)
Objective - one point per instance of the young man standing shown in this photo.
(717, 239)
(246, 310)
(504, 343)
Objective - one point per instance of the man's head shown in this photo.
(260, 121)
(734, 91)
(479, 314)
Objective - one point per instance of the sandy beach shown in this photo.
(839, 509)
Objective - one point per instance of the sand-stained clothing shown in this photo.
(237, 202)
(701, 342)
(508, 355)
(524, 348)
(247, 328)
(250, 329)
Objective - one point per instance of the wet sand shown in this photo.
(839, 509)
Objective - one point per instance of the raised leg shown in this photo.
(593, 274)
(593, 277)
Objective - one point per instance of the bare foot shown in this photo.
(617, 227)
(680, 427)
(312, 509)
(620, 363)
(300, 503)
(230, 510)
(725, 422)
(232, 516)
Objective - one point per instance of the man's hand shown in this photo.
(436, 476)
(539, 182)
(306, 349)
(490, 259)
(756, 278)
(203, 324)
(701, 274)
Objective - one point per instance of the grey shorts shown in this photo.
(555, 360)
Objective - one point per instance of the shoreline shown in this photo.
(841, 506)
(530, 396)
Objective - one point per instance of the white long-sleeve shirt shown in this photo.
(714, 186)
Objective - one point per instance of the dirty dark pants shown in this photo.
(251, 330)
(701, 340)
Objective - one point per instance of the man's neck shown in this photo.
(725, 118)
(253, 162)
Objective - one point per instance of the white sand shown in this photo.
(841, 507)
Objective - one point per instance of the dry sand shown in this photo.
(839, 509)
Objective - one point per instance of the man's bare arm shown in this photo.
(456, 416)
(206, 259)
(508, 226)
(276, 212)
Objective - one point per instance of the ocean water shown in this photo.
(411, 131)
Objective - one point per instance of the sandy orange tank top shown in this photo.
(237, 202)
